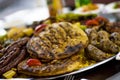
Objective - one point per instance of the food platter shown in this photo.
(97, 11)
(82, 69)
(101, 61)
(109, 8)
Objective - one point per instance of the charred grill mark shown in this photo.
(17, 53)
(14, 62)
(44, 49)
(55, 35)
(10, 51)
(46, 42)
(60, 33)
(10, 56)
(51, 36)
(65, 30)
(48, 46)
(18, 43)
(70, 50)
(71, 32)
(31, 49)
(51, 46)
(35, 43)
(53, 40)
(46, 37)
(13, 45)
(22, 42)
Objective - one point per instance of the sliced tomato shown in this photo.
(92, 23)
(33, 62)
(39, 28)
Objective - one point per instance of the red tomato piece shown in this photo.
(39, 28)
(33, 62)
(92, 23)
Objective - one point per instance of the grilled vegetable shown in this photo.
(28, 31)
(15, 33)
(33, 62)
(9, 74)
(3, 35)
(83, 27)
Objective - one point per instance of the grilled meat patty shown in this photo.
(57, 41)
(56, 67)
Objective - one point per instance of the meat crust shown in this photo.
(57, 41)
(55, 67)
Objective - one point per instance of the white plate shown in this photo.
(81, 70)
(118, 56)
(25, 17)
(110, 8)
(97, 11)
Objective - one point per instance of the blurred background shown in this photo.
(71, 3)
(36, 10)
(10, 6)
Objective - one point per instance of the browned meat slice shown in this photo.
(57, 41)
(12, 50)
(13, 54)
(113, 27)
(108, 46)
(93, 36)
(14, 62)
(55, 67)
(18, 43)
(115, 37)
(95, 53)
